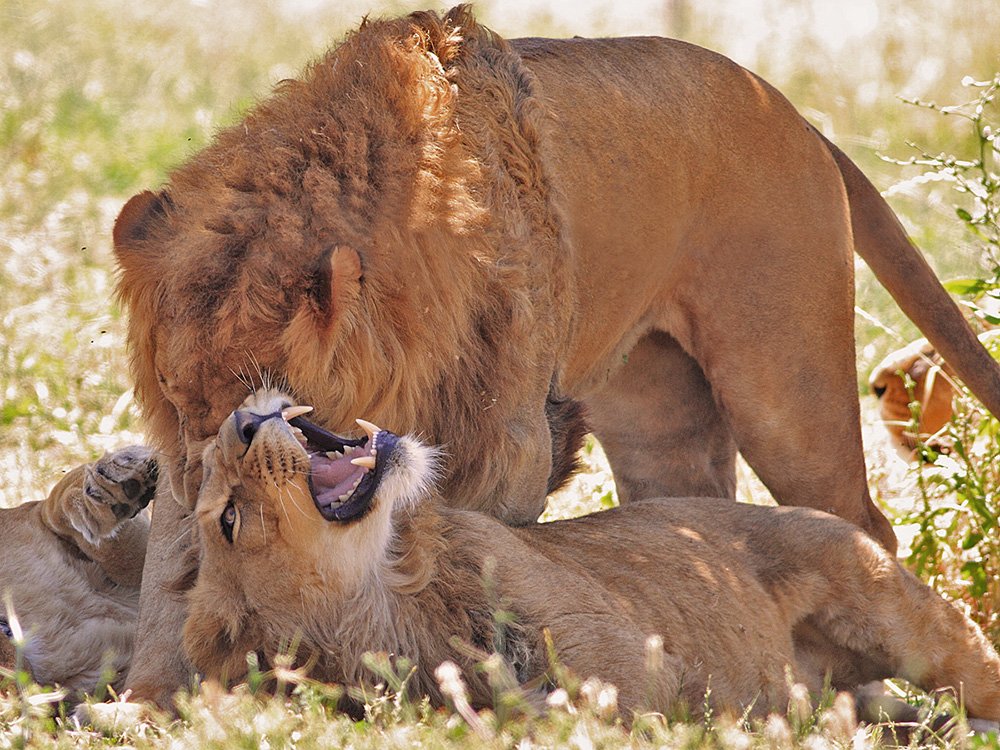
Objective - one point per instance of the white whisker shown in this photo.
(299, 509)
(281, 504)
(242, 378)
(180, 536)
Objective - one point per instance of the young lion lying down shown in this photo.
(306, 534)
(72, 565)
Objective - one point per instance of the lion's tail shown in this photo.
(882, 242)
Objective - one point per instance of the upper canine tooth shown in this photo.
(368, 427)
(366, 461)
(291, 412)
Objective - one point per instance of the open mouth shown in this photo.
(344, 473)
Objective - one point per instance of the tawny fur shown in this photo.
(738, 593)
(72, 565)
(438, 229)
(933, 387)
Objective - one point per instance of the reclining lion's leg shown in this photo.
(659, 404)
(877, 620)
(97, 505)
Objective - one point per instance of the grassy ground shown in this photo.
(100, 98)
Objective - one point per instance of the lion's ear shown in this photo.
(217, 643)
(336, 283)
(332, 289)
(137, 218)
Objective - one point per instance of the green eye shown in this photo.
(228, 521)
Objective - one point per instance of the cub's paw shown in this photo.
(115, 489)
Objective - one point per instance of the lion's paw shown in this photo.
(115, 489)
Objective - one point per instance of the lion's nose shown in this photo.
(248, 423)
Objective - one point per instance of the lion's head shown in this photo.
(349, 242)
(295, 528)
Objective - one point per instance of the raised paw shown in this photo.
(115, 489)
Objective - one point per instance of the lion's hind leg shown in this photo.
(881, 621)
(660, 427)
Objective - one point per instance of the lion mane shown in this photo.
(359, 155)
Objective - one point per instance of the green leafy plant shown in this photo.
(956, 546)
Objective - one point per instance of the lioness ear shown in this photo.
(137, 217)
(332, 288)
(217, 644)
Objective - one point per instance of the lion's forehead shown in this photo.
(220, 476)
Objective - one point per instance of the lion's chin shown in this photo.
(345, 474)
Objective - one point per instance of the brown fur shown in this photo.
(933, 387)
(738, 593)
(72, 565)
(436, 228)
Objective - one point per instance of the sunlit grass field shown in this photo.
(101, 98)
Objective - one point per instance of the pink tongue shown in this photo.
(332, 478)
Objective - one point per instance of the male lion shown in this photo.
(72, 565)
(439, 228)
(310, 538)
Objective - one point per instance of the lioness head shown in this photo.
(293, 523)
(932, 386)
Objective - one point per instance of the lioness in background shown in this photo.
(72, 565)
(304, 535)
(933, 388)
(441, 229)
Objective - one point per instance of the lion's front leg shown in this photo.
(159, 668)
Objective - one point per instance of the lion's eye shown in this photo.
(228, 521)
(5, 628)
